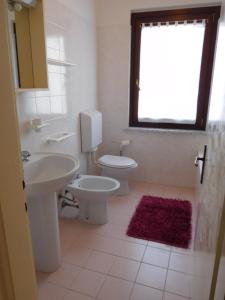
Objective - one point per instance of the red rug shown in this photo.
(162, 220)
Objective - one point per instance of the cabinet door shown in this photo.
(31, 50)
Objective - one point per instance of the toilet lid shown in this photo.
(116, 161)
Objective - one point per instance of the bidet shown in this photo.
(93, 193)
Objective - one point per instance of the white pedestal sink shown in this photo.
(45, 174)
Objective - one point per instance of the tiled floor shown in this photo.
(101, 262)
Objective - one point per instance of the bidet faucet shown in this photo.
(25, 155)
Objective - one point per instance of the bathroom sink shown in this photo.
(45, 174)
(48, 172)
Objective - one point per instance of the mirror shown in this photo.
(27, 35)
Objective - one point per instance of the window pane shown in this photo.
(170, 62)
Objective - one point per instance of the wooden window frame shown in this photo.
(211, 14)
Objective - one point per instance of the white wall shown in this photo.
(164, 157)
(71, 36)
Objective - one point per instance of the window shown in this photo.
(171, 67)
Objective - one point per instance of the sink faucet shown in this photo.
(25, 155)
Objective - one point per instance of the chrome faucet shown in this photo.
(25, 155)
(77, 176)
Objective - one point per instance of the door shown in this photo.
(17, 276)
(210, 196)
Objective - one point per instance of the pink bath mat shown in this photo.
(162, 220)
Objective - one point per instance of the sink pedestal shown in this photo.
(44, 174)
(44, 225)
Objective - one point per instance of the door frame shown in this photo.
(17, 274)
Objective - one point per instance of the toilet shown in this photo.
(117, 167)
(93, 193)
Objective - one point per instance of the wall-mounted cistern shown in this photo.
(117, 167)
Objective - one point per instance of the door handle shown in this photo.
(137, 85)
(203, 159)
(197, 159)
(23, 184)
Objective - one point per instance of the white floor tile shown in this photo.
(88, 283)
(181, 263)
(65, 275)
(178, 283)
(135, 240)
(115, 289)
(89, 239)
(128, 250)
(159, 245)
(172, 192)
(100, 262)
(119, 218)
(68, 234)
(51, 291)
(141, 292)
(157, 190)
(118, 232)
(77, 255)
(76, 296)
(125, 269)
(152, 276)
(157, 257)
(169, 296)
(41, 278)
(120, 248)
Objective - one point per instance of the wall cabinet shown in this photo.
(30, 48)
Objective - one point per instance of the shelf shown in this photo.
(39, 127)
(37, 124)
(60, 136)
(60, 63)
(18, 90)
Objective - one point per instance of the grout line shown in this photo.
(185, 298)
(102, 273)
(135, 280)
(144, 285)
(164, 290)
(126, 239)
(132, 289)
(101, 287)
(97, 250)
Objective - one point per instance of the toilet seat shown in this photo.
(120, 162)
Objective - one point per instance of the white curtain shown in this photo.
(170, 63)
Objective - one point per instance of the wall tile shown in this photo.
(72, 90)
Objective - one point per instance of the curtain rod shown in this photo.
(162, 23)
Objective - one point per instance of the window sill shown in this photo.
(159, 130)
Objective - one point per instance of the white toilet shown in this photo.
(92, 193)
(117, 167)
